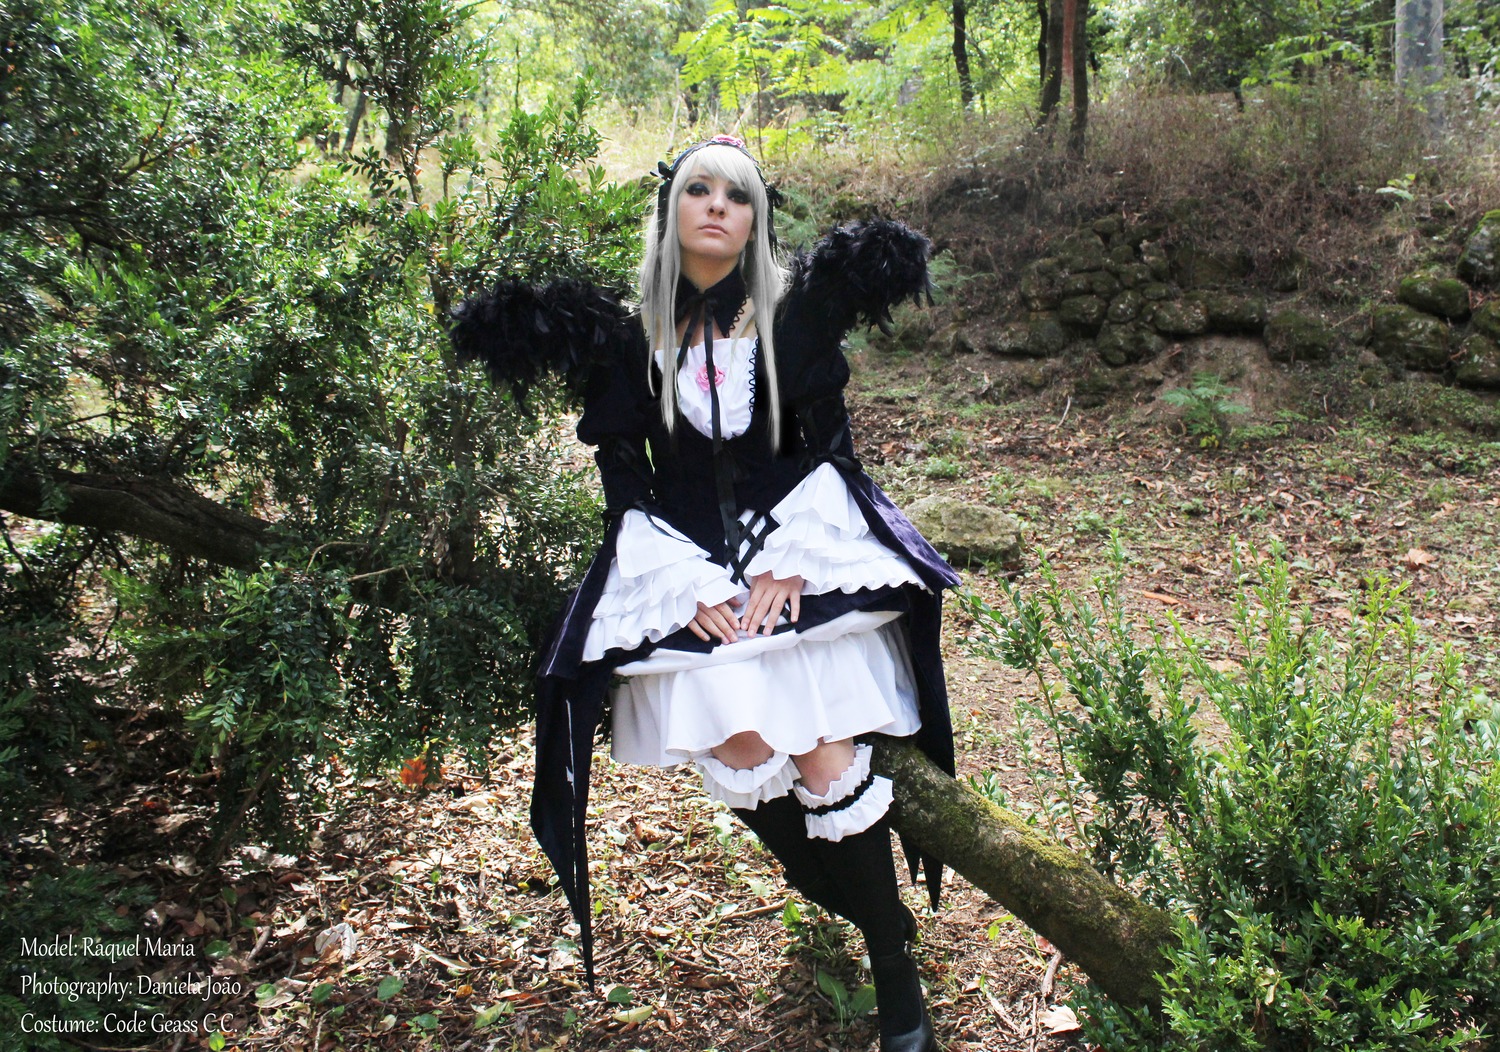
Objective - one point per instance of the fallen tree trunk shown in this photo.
(1109, 933)
(152, 509)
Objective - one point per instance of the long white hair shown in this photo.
(765, 276)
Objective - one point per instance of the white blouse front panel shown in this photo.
(734, 369)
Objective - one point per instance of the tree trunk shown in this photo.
(1076, 33)
(961, 53)
(360, 104)
(1114, 937)
(1419, 55)
(139, 506)
(1052, 58)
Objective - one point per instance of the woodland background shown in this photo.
(276, 564)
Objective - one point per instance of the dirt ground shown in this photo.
(425, 917)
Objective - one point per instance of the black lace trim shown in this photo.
(845, 803)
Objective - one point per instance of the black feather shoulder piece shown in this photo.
(522, 332)
(859, 271)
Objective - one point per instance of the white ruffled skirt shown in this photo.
(849, 676)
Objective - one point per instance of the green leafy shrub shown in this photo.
(205, 302)
(1324, 814)
(1206, 408)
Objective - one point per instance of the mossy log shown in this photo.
(1114, 937)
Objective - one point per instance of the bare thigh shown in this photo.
(817, 768)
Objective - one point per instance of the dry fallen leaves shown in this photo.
(1416, 559)
(1059, 1019)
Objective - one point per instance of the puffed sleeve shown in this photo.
(616, 415)
(856, 273)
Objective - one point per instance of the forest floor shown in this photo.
(425, 917)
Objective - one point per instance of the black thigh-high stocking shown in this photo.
(782, 827)
(865, 869)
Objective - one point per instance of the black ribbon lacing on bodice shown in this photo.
(723, 302)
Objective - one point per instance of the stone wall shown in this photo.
(1113, 289)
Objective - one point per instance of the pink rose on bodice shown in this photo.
(703, 377)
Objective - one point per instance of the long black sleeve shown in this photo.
(616, 416)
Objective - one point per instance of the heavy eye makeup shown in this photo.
(738, 196)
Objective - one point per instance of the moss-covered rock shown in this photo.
(1109, 227)
(1479, 363)
(1135, 234)
(1045, 336)
(1487, 319)
(1082, 314)
(1009, 340)
(1040, 337)
(1434, 294)
(1184, 317)
(1130, 275)
(1195, 268)
(1041, 284)
(1233, 315)
(1099, 283)
(1131, 342)
(1156, 260)
(1292, 336)
(1082, 251)
(967, 532)
(1121, 255)
(1155, 291)
(1480, 262)
(1416, 340)
(1125, 307)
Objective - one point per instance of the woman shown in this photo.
(757, 602)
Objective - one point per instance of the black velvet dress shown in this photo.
(689, 481)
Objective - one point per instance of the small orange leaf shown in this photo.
(414, 771)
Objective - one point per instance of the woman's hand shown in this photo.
(718, 622)
(767, 596)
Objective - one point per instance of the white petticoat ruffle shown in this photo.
(822, 537)
(792, 690)
(655, 583)
(747, 787)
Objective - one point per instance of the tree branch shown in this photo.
(152, 509)
(1116, 939)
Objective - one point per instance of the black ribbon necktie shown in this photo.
(699, 309)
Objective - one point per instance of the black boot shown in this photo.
(898, 996)
(874, 904)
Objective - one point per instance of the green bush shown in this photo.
(203, 301)
(1324, 815)
(1206, 408)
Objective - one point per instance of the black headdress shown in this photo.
(668, 173)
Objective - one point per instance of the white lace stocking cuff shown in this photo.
(855, 800)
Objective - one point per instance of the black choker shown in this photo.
(724, 300)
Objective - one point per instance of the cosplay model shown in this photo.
(758, 603)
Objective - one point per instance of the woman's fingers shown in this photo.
(715, 621)
(767, 597)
